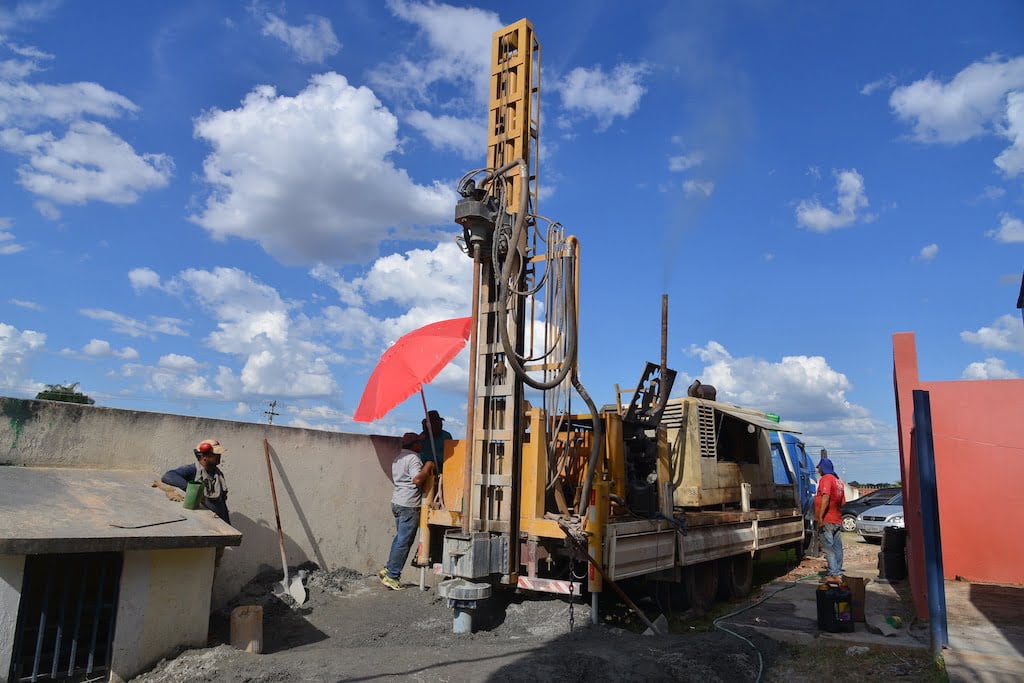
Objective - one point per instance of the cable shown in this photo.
(760, 657)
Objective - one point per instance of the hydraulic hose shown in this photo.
(503, 286)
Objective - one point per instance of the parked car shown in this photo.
(859, 505)
(871, 523)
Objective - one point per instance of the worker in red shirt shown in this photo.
(828, 505)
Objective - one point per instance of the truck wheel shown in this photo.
(701, 581)
(849, 523)
(737, 575)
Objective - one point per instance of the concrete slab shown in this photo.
(985, 625)
(44, 510)
(792, 609)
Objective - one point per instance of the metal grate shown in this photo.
(66, 618)
(706, 428)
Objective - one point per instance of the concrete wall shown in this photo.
(978, 432)
(164, 603)
(12, 569)
(334, 489)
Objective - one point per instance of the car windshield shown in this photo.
(896, 500)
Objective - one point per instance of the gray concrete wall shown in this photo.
(164, 604)
(12, 571)
(334, 489)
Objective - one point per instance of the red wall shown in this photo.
(978, 435)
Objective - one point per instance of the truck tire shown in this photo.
(701, 582)
(736, 576)
(849, 523)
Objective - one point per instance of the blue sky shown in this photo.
(207, 206)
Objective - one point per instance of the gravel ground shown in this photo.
(352, 628)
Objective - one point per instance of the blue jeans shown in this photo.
(832, 546)
(407, 520)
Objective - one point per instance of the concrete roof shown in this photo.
(54, 510)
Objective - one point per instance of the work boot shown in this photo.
(391, 583)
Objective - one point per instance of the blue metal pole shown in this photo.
(931, 534)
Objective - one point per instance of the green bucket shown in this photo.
(193, 494)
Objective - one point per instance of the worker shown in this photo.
(433, 440)
(828, 504)
(408, 473)
(207, 471)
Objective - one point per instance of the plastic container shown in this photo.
(835, 613)
(193, 495)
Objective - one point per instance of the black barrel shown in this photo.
(892, 566)
(894, 540)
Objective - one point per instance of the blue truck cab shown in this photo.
(792, 466)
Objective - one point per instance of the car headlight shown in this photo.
(896, 520)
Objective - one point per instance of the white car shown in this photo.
(871, 523)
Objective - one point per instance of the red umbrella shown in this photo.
(411, 362)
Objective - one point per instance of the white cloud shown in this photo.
(18, 13)
(1010, 230)
(986, 97)
(7, 244)
(310, 177)
(928, 253)
(81, 160)
(456, 50)
(175, 361)
(1005, 334)
(123, 324)
(804, 390)
(256, 325)
(963, 108)
(990, 368)
(992, 192)
(29, 103)
(886, 83)
(88, 163)
(143, 278)
(99, 348)
(1011, 159)
(311, 42)
(601, 95)
(698, 188)
(17, 349)
(685, 162)
(852, 199)
(30, 305)
(467, 137)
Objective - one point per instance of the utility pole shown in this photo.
(270, 413)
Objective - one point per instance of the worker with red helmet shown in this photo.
(206, 471)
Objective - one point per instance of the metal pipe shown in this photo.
(467, 479)
(78, 618)
(924, 448)
(60, 624)
(96, 618)
(42, 626)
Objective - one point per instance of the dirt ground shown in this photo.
(354, 629)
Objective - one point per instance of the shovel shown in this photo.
(294, 586)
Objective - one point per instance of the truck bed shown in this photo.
(635, 547)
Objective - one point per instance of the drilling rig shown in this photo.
(545, 498)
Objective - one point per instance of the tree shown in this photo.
(67, 393)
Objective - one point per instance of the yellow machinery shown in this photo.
(539, 497)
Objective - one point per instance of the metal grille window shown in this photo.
(66, 618)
